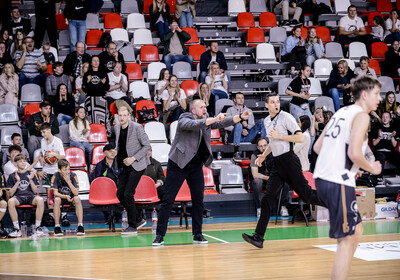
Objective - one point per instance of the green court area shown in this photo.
(180, 238)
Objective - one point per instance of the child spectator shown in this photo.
(79, 131)
(378, 30)
(48, 55)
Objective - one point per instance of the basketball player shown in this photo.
(282, 130)
(341, 148)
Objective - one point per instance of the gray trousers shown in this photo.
(285, 10)
(33, 144)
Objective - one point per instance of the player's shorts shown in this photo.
(47, 181)
(25, 200)
(342, 204)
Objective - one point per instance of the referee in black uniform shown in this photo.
(282, 130)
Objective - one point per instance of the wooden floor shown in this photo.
(281, 259)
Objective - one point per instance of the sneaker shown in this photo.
(258, 213)
(141, 224)
(58, 232)
(158, 241)
(294, 74)
(284, 211)
(199, 239)
(237, 156)
(39, 232)
(80, 231)
(3, 233)
(285, 23)
(129, 230)
(254, 240)
(50, 221)
(65, 222)
(294, 22)
(15, 233)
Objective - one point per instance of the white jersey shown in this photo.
(333, 163)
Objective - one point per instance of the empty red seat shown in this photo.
(323, 33)
(93, 38)
(98, 134)
(216, 137)
(194, 38)
(148, 54)
(267, 20)
(146, 191)
(255, 36)
(196, 51)
(245, 21)
(190, 87)
(75, 157)
(97, 154)
(31, 108)
(112, 21)
(374, 64)
(378, 50)
(134, 71)
(384, 6)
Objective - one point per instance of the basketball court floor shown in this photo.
(290, 252)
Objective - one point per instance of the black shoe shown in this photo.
(140, 224)
(65, 221)
(199, 239)
(254, 240)
(237, 157)
(58, 232)
(294, 22)
(130, 230)
(80, 231)
(158, 241)
(285, 23)
(3, 233)
(50, 222)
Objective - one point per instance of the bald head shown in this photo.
(198, 109)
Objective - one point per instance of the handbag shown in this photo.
(145, 115)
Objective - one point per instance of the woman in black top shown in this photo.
(299, 89)
(95, 83)
(64, 108)
(160, 17)
(205, 94)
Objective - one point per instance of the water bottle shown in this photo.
(24, 229)
(219, 155)
(124, 220)
(154, 219)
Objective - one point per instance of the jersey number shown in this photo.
(334, 129)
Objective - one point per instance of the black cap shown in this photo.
(108, 147)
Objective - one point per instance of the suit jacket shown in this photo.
(188, 138)
(137, 144)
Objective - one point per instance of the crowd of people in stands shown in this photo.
(81, 89)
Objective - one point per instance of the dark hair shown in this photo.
(58, 91)
(19, 157)
(351, 6)
(115, 63)
(45, 126)
(62, 163)
(91, 59)
(295, 27)
(14, 148)
(379, 20)
(76, 44)
(44, 104)
(27, 37)
(15, 135)
(303, 67)
(14, 7)
(364, 83)
(305, 123)
(56, 64)
(109, 43)
(236, 93)
(161, 77)
(260, 139)
(271, 94)
(212, 42)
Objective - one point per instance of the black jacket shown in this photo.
(70, 62)
(392, 63)
(24, 24)
(106, 61)
(45, 9)
(155, 171)
(37, 118)
(154, 16)
(205, 60)
(76, 9)
(95, 87)
(104, 170)
(65, 107)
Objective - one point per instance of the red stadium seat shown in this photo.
(378, 50)
(75, 157)
(190, 87)
(304, 32)
(196, 51)
(267, 20)
(148, 54)
(61, 25)
(112, 21)
(323, 33)
(255, 36)
(146, 191)
(97, 154)
(371, 16)
(49, 69)
(194, 38)
(245, 21)
(98, 134)
(134, 72)
(398, 4)
(148, 104)
(31, 108)
(113, 109)
(374, 64)
(146, 7)
(209, 183)
(309, 177)
(216, 137)
(384, 6)
(93, 38)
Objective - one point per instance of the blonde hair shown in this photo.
(155, 8)
(210, 68)
(201, 94)
(123, 108)
(83, 69)
(12, 68)
(308, 39)
(345, 65)
(177, 89)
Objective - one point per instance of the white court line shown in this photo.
(220, 240)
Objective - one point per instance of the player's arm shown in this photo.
(297, 137)
(15, 186)
(57, 194)
(358, 132)
(32, 182)
(74, 190)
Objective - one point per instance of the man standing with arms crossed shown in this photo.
(341, 148)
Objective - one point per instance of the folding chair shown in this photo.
(309, 177)
(257, 7)
(182, 70)
(333, 51)
(221, 103)
(231, 178)
(209, 183)
(196, 51)
(134, 71)
(145, 104)
(378, 50)
(160, 153)
(190, 87)
(64, 135)
(153, 72)
(357, 50)
(324, 33)
(255, 36)
(326, 102)
(8, 115)
(128, 7)
(61, 25)
(129, 53)
(156, 132)
(387, 84)
(93, 39)
(142, 37)
(98, 134)
(92, 21)
(140, 89)
(194, 38)
(322, 69)
(146, 191)
(119, 34)
(135, 21)
(6, 133)
(30, 93)
(235, 7)
(97, 156)
(76, 158)
(148, 54)
(374, 64)
(265, 54)
(112, 20)
(267, 21)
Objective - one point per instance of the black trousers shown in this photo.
(298, 54)
(391, 156)
(128, 181)
(42, 25)
(286, 168)
(366, 39)
(193, 173)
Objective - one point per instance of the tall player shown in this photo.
(341, 148)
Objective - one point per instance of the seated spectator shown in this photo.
(391, 106)
(65, 186)
(3, 209)
(314, 46)
(301, 149)
(118, 85)
(75, 13)
(23, 189)
(4, 56)
(174, 46)
(80, 95)
(17, 42)
(318, 122)
(286, 8)
(11, 166)
(9, 85)
(363, 69)
(299, 89)
(174, 100)
(5, 38)
(315, 9)
(160, 17)
(213, 54)
(109, 56)
(185, 12)
(205, 94)
(392, 61)
(160, 86)
(74, 61)
(378, 30)
(108, 166)
(218, 81)
(17, 22)
(352, 29)
(339, 84)
(30, 62)
(392, 27)
(65, 105)
(16, 139)
(384, 141)
(79, 131)
(48, 55)
(293, 50)
(35, 122)
(155, 172)
(245, 130)
(54, 80)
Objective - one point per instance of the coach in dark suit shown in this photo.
(132, 144)
(190, 150)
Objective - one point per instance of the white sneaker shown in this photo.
(16, 233)
(258, 213)
(39, 232)
(284, 211)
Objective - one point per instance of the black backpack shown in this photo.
(105, 39)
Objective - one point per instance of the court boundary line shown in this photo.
(218, 239)
(50, 276)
